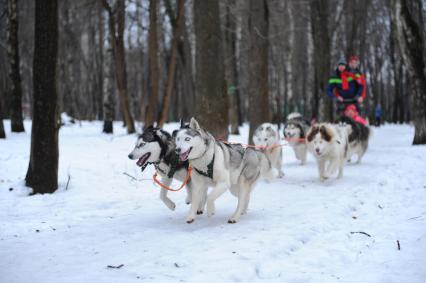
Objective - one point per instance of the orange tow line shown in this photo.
(188, 175)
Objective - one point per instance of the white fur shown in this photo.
(262, 137)
(224, 175)
(330, 155)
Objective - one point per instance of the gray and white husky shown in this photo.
(358, 138)
(157, 147)
(295, 133)
(221, 166)
(267, 136)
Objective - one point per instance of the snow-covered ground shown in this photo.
(297, 229)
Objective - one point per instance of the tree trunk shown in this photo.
(2, 132)
(15, 75)
(154, 72)
(116, 27)
(258, 66)
(409, 27)
(212, 99)
(230, 34)
(42, 174)
(323, 110)
(177, 25)
(108, 87)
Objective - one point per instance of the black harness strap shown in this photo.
(209, 173)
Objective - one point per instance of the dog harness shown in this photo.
(175, 165)
(209, 173)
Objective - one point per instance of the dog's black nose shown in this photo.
(130, 156)
(317, 150)
(177, 150)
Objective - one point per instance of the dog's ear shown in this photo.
(182, 123)
(148, 128)
(174, 134)
(194, 124)
(325, 133)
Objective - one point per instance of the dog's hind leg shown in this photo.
(243, 199)
(218, 190)
(163, 194)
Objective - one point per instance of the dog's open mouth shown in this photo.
(184, 156)
(141, 161)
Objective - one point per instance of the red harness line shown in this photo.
(188, 175)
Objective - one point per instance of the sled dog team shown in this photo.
(222, 166)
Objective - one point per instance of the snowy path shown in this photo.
(297, 229)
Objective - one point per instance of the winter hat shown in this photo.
(353, 58)
(341, 61)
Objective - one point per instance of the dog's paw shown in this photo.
(199, 212)
(189, 221)
(172, 206)
(232, 221)
(188, 200)
(281, 174)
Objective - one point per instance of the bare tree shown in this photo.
(322, 109)
(2, 133)
(154, 72)
(408, 16)
(177, 26)
(108, 87)
(212, 98)
(258, 65)
(116, 27)
(15, 75)
(42, 174)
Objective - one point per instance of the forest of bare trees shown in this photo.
(226, 62)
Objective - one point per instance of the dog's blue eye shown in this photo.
(187, 139)
(141, 145)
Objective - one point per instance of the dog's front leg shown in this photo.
(331, 168)
(321, 168)
(195, 202)
(163, 194)
(202, 201)
(188, 192)
(218, 190)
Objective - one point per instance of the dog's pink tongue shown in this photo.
(184, 156)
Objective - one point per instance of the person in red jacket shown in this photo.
(353, 68)
(352, 112)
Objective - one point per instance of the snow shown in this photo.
(297, 229)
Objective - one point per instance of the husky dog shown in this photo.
(358, 137)
(295, 132)
(266, 136)
(328, 143)
(221, 166)
(157, 147)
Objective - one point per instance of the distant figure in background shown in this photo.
(345, 88)
(378, 115)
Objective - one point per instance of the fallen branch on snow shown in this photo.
(366, 234)
(115, 266)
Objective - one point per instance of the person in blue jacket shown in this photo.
(378, 115)
(344, 88)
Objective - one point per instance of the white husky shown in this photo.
(329, 144)
(267, 136)
(221, 166)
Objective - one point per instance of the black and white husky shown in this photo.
(267, 136)
(359, 136)
(157, 147)
(221, 166)
(295, 133)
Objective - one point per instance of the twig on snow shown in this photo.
(127, 174)
(399, 245)
(366, 234)
(115, 266)
(68, 182)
